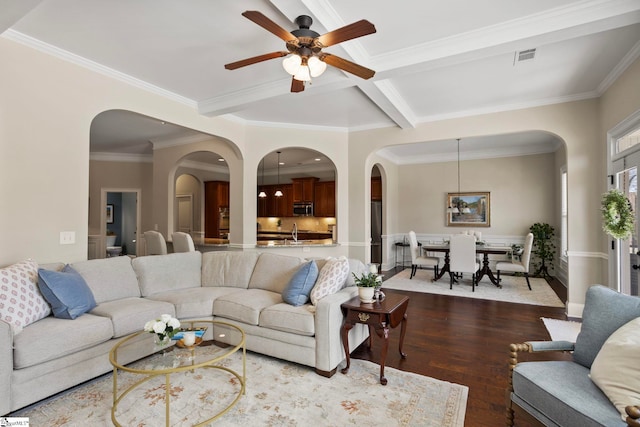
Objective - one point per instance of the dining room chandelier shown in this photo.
(458, 207)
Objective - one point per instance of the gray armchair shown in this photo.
(561, 393)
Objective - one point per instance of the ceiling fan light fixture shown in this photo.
(316, 66)
(303, 74)
(292, 64)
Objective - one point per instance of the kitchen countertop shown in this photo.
(289, 243)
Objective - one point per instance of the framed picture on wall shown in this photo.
(474, 209)
(109, 214)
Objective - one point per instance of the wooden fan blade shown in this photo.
(348, 32)
(269, 25)
(296, 85)
(348, 66)
(255, 60)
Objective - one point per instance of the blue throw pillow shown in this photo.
(66, 291)
(299, 287)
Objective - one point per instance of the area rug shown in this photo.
(278, 393)
(562, 330)
(514, 288)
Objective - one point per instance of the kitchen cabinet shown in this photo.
(376, 188)
(272, 206)
(216, 198)
(324, 203)
(304, 189)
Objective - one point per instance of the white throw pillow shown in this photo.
(21, 302)
(616, 368)
(330, 279)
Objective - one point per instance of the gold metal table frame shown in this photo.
(152, 373)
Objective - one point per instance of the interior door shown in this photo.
(129, 222)
(185, 213)
(627, 256)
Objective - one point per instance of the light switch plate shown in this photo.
(67, 237)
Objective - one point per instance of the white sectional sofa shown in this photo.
(244, 288)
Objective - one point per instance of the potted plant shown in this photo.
(367, 284)
(543, 248)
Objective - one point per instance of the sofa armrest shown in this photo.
(633, 413)
(539, 346)
(529, 347)
(328, 321)
(6, 366)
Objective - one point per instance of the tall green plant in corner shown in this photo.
(544, 251)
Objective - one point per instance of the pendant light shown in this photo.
(456, 209)
(278, 192)
(262, 194)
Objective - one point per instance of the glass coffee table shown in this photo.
(180, 361)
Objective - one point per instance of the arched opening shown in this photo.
(201, 205)
(306, 180)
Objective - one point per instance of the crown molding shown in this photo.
(21, 38)
(510, 107)
(620, 68)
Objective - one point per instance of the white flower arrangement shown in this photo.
(165, 326)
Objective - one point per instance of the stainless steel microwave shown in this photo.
(303, 209)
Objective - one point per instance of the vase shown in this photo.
(366, 294)
(161, 341)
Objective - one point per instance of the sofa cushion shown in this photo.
(285, 317)
(128, 315)
(230, 269)
(299, 287)
(245, 306)
(273, 272)
(110, 278)
(21, 302)
(563, 392)
(193, 302)
(161, 273)
(605, 310)
(616, 368)
(331, 279)
(66, 291)
(51, 338)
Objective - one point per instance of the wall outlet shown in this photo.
(306, 249)
(67, 237)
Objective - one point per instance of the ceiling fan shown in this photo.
(305, 46)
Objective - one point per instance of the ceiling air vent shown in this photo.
(524, 55)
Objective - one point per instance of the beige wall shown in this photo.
(522, 193)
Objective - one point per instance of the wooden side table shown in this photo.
(379, 316)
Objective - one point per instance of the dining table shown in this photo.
(481, 248)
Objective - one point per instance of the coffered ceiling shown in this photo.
(433, 59)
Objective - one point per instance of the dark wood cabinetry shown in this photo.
(272, 206)
(376, 188)
(304, 189)
(325, 199)
(216, 197)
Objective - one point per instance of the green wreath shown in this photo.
(617, 214)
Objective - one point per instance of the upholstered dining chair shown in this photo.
(417, 260)
(182, 242)
(156, 245)
(462, 257)
(521, 266)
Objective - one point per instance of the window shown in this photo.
(628, 141)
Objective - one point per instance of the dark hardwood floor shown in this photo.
(466, 341)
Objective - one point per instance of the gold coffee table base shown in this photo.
(195, 364)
